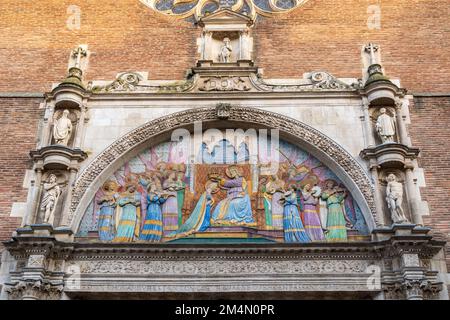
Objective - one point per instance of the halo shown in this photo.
(312, 180)
(227, 171)
(330, 180)
(209, 183)
(114, 184)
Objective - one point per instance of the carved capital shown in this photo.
(34, 290)
(414, 288)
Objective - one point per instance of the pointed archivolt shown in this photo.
(182, 9)
(324, 148)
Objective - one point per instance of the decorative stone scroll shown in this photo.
(226, 80)
(247, 115)
(317, 80)
(132, 81)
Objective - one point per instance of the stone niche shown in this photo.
(229, 29)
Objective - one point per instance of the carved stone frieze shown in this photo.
(229, 286)
(51, 267)
(243, 114)
(227, 83)
(217, 268)
(213, 78)
(318, 80)
(124, 82)
(134, 82)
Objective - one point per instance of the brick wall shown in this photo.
(430, 131)
(18, 129)
(126, 35)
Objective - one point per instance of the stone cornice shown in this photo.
(57, 156)
(390, 154)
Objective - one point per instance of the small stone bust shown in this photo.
(62, 130)
(385, 127)
(394, 199)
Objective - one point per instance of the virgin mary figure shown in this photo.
(236, 208)
(200, 218)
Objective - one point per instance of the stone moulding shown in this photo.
(134, 82)
(47, 267)
(92, 176)
(57, 156)
(390, 154)
(314, 81)
(230, 77)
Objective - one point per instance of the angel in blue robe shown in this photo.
(294, 231)
(152, 230)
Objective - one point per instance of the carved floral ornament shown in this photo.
(181, 9)
(134, 82)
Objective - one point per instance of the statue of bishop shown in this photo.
(385, 127)
(62, 129)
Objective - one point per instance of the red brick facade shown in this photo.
(126, 35)
(19, 118)
(430, 131)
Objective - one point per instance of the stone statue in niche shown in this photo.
(394, 198)
(52, 192)
(385, 127)
(62, 129)
(225, 51)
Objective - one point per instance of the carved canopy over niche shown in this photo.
(195, 9)
(331, 154)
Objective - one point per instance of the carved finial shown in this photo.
(371, 48)
(77, 54)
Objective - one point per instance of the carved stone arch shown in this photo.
(156, 131)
